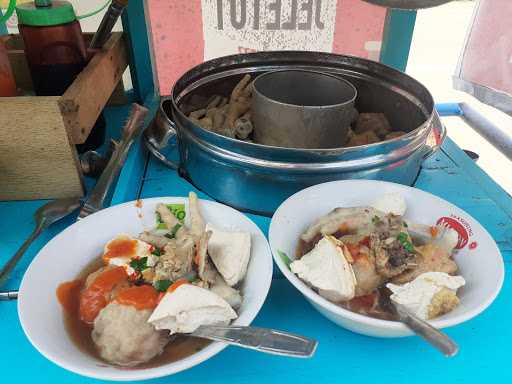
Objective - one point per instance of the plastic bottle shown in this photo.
(56, 52)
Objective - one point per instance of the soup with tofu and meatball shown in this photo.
(125, 306)
(359, 257)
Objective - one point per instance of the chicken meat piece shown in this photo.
(363, 264)
(155, 240)
(167, 216)
(350, 220)
(205, 269)
(176, 260)
(366, 275)
(197, 224)
(430, 258)
(391, 246)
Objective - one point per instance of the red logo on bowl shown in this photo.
(458, 227)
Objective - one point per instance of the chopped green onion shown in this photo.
(403, 238)
(286, 260)
(139, 264)
(162, 285)
(172, 233)
(178, 210)
(156, 252)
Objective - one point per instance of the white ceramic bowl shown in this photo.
(480, 261)
(69, 252)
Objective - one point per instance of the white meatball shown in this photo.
(124, 337)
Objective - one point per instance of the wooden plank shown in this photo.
(118, 97)
(84, 100)
(37, 159)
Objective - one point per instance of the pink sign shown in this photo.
(185, 33)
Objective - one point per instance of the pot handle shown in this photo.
(436, 136)
(158, 135)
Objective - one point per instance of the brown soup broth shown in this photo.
(80, 333)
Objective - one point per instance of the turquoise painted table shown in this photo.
(342, 356)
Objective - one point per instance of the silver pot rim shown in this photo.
(242, 59)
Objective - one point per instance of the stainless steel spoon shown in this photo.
(259, 339)
(44, 217)
(433, 336)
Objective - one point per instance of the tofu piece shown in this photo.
(125, 248)
(429, 295)
(231, 295)
(327, 269)
(391, 203)
(188, 307)
(230, 252)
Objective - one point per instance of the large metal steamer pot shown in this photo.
(258, 178)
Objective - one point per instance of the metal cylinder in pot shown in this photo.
(302, 109)
(256, 177)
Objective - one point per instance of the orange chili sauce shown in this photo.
(68, 294)
(141, 297)
(120, 247)
(177, 284)
(93, 298)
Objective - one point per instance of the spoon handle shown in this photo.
(260, 339)
(435, 337)
(9, 266)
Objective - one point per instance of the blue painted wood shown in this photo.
(449, 109)
(342, 356)
(134, 24)
(396, 43)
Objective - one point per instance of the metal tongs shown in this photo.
(98, 197)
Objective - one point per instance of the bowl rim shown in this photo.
(166, 369)
(395, 326)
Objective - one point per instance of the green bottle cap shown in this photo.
(45, 13)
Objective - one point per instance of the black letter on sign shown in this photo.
(243, 5)
(256, 23)
(292, 24)
(276, 7)
(220, 21)
(318, 22)
(308, 7)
